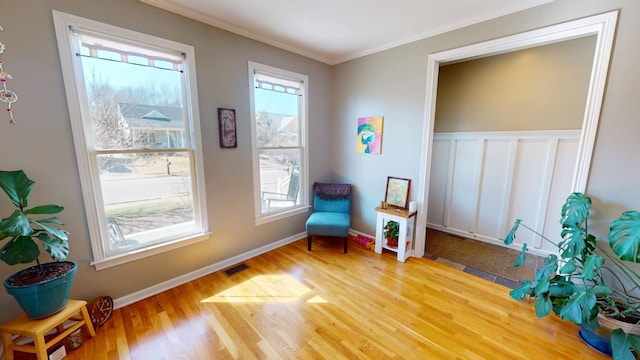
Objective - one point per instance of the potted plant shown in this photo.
(43, 289)
(579, 288)
(391, 232)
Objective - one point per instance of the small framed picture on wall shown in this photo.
(227, 125)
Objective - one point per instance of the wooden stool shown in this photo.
(24, 327)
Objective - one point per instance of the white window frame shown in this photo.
(90, 182)
(303, 207)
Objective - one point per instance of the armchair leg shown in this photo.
(346, 240)
(309, 242)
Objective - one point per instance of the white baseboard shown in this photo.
(353, 232)
(169, 284)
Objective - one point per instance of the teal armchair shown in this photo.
(331, 214)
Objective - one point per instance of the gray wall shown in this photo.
(393, 84)
(541, 88)
(42, 144)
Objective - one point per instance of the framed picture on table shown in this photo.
(397, 192)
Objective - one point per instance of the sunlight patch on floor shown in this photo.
(317, 300)
(264, 289)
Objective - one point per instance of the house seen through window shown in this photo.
(279, 124)
(137, 137)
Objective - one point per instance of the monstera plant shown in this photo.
(25, 231)
(587, 284)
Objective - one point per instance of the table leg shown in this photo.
(7, 348)
(41, 347)
(87, 321)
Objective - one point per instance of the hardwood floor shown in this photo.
(323, 304)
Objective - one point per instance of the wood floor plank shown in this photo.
(294, 304)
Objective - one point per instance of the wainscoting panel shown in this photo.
(464, 179)
(482, 182)
(563, 176)
(494, 197)
(439, 177)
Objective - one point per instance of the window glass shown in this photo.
(278, 123)
(134, 129)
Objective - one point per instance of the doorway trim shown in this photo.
(602, 25)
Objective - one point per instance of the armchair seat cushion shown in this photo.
(331, 212)
(329, 224)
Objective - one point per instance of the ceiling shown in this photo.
(334, 31)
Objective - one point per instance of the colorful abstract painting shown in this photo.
(369, 140)
(397, 191)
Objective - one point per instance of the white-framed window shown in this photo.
(279, 115)
(134, 114)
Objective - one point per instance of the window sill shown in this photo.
(265, 219)
(146, 252)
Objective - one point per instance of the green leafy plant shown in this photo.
(23, 231)
(573, 285)
(392, 231)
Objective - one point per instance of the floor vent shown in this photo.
(235, 269)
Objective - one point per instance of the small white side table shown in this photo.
(406, 220)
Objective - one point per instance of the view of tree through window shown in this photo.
(133, 106)
(138, 124)
(277, 101)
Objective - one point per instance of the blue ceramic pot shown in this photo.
(46, 298)
(597, 340)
